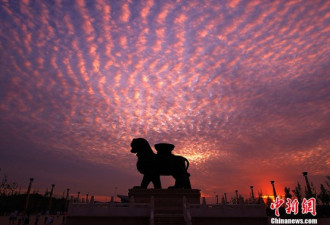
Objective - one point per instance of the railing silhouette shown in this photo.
(147, 210)
(186, 211)
(227, 210)
(92, 208)
(152, 210)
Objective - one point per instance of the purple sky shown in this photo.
(241, 88)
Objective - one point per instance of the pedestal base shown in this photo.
(164, 195)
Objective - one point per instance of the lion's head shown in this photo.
(141, 147)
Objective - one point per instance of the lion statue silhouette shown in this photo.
(152, 165)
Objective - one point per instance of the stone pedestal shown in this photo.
(164, 195)
(166, 204)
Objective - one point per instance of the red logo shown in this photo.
(309, 206)
(276, 205)
(292, 206)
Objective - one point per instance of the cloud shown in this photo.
(230, 84)
(125, 13)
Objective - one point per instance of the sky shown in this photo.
(241, 88)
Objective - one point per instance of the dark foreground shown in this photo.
(4, 220)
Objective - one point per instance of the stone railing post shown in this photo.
(152, 209)
(70, 206)
(91, 204)
(111, 203)
(203, 202)
(131, 201)
(186, 211)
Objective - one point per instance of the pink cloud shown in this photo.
(125, 13)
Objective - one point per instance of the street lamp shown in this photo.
(28, 194)
(274, 191)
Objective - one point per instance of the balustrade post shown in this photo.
(91, 203)
(204, 202)
(152, 209)
(70, 206)
(186, 211)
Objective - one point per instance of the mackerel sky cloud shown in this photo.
(241, 88)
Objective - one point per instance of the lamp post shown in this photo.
(67, 198)
(309, 190)
(28, 194)
(274, 191)
(225, 196)
(252, 195)
(115, 194)
(50, 197)
(236, 196)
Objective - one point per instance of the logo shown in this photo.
(292, 206)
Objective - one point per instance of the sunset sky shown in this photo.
(241, 88)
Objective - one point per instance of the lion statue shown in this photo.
(153, 165)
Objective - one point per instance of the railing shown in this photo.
(109, 205)
(189, 211)
(221, 206)
(109, 209)
(227, 210)
(152, 210)
(186, 211)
